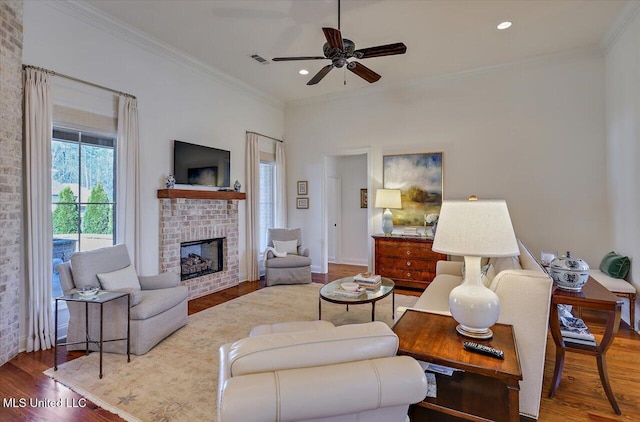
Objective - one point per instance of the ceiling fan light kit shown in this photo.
(339, 50)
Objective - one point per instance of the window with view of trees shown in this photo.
(83, 193)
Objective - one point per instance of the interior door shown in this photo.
(333, 220)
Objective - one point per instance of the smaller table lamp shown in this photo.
(475, 229)
(388, 198)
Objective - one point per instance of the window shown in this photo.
(82, 193)
(267, 200)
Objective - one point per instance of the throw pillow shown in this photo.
(120, 279)
(505, 263)
(615, 265)
(288, 246)
(487, 274)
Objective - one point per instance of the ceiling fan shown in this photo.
(339, 50)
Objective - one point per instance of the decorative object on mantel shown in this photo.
(569, 273)
(433, 220)
(419, 178)
(302, 203)
(475, 229)
(170, 181)
(237, 186)
(388, 198)
(303, 187)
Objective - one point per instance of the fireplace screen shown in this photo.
(201, 257)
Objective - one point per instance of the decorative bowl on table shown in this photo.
(88, 291)
(569, 273)
(350, 287)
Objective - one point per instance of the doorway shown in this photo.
(346, 222)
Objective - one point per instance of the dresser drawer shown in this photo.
(409, 274)
(405, 249)
(386, 262)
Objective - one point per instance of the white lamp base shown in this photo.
(474, 306)
(387, 222)
(472, 333)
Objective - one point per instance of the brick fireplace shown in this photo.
(191, 216)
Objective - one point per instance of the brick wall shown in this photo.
(186, 220)
(10, 175)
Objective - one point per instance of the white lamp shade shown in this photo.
(475, 228)
(388, 198)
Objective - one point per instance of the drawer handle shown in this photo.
(408, 275)
(408, 263)
(408, 252)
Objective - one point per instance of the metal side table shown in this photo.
(100, 298)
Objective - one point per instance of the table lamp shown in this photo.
(475, 229)
(388, 198)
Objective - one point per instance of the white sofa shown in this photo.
(324, 373)
(525, 297)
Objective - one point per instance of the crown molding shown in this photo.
(414, 84)
(116, 28)
(624, 19)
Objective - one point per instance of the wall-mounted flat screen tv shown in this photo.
(200, 165)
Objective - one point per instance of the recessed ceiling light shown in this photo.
(504, 25)
(303, 72)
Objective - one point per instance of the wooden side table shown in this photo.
(100, 299)
(592, 296)
(484, 388)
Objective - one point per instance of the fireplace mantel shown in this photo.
(200, 194)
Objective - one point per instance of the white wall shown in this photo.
(532, 133)
(623, 136)
(178, 98)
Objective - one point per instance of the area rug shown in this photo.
(178, 379)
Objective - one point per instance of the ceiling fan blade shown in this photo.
(334, 38)
(364, 72)
(285, 59)
(381, 50)
(318, 77)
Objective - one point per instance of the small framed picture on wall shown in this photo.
(303, 187)
(302, 203)
(364, 198)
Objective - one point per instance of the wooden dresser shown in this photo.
(408, 261)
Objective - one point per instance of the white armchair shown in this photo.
(158, 308)
(295, 267)
(338, 374)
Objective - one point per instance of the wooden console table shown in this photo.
(483, 388)
(592, 296)
(408, 261)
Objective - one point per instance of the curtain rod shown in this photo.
(51, 72)
(260, 134)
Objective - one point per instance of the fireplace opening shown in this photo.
(201, 257)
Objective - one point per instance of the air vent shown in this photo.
(259, 59)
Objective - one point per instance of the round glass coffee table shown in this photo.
(328, 293)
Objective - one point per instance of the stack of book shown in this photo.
(368, 281)
(574, 330)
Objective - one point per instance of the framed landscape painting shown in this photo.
(419, 178)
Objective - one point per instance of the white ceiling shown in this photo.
(442, 37)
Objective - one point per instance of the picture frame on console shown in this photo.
(419, 177)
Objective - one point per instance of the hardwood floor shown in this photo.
(579, 398)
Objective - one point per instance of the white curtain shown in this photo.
(128, 175)
(281, 186)
(253, 205)
(38, 120)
